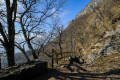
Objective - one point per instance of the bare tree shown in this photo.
(21, 47)
(41, 44)
(59, 28)
(8, 17)
(32, 17)
(60, 33)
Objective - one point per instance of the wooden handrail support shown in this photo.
(55, 59)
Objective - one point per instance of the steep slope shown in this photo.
(95, 30)
(89, 8)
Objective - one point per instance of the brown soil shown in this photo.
(77, 72)
(105, 68)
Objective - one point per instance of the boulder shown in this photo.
(25, 71)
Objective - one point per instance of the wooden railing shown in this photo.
(57, 57)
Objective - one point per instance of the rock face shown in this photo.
(89, 7)
(95, 30)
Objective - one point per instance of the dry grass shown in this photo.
(107, 62)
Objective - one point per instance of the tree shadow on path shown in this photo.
(84, 75)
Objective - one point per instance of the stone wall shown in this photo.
(24, 71)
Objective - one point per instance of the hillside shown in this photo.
(93, 36)
(95, 30)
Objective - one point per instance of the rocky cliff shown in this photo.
(95, 30)
(89, 7)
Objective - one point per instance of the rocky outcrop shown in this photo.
(25, 71)
(89, 7)
(103, 35)
(111, 45)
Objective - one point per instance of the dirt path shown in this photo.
(77, 72)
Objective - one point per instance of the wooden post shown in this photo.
(52, 61)
(57, 59)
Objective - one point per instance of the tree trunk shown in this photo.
(23, 51)
(34, 54)
(0, 63)
(11, 31)
(28, 41)
(9, 34)
(26, 56)
(10, 56)
(32, 50)
(60, 44)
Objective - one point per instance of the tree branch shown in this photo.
(3, 34)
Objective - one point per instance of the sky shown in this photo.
(72, 8)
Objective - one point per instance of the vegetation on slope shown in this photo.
(91, 29)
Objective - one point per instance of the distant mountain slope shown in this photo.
(19, 58)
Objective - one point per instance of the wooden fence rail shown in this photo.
(60, 56)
